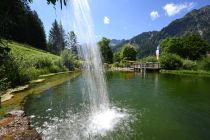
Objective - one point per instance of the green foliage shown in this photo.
(62, 2)
(150, 59)
(4, 58)
(170, 61)
(194, 47)
(72, 42)
(172, 45)
(20, 24)
(57, 38)
(68, 59)
(116, 64)
(25, 63)
(36, 33)
(121, 64)
(188, 72)
(15, 73)
(106, 51)
(117, 56)
(43, 62)
(204, 63)
(190, 46)
(128, 52)
(3, 111)
(189, 65)
(54, 2)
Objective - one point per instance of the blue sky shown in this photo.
(121, 19)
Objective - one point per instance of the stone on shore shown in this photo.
(16, 126)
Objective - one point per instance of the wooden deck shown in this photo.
(149, 66)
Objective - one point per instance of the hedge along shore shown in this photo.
(200, 73)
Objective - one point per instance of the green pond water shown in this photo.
(157, 107)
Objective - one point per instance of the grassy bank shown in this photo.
(33, 62)
(24, 63)
(187, 72)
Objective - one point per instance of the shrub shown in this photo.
(189, 65)
(204, 63)
(28, 74)
(128, 52)
(121, 64)
(68, 59)
(116, 64)
(77, 64)
(150, 59)
(190, 46)
(117, 56)
(4, 58)
(170, 61)
(14, 73)
(43, 62)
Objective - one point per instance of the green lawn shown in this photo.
(32, 62)
(187, 72)
(30, 54)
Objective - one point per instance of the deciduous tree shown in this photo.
(192, 47)
(106, 51)
(128, 52)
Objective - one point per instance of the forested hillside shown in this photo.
(21, 24)
(196, 22)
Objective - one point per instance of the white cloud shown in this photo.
(172, 9)
(154, 15)
(106, 20)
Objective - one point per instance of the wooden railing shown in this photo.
(146, 66)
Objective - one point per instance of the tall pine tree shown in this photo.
(56, 38)
(72, 43)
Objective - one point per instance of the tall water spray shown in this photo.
(94, 80)
(97, 116)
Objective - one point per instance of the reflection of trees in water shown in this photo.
(121, 75)
(129, 75)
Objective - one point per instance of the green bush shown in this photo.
(77, 64)
(4, 58)
(170, 61)
(23, 64)
(117, 56)
(28, 74)
(43, 62)
(189, 65)
(128, 52)
(204, 63)
(121, 64)
(116, 64)
(16, 74)
(68, 59)
(190, 46)
(150, 59)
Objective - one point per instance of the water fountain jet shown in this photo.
(95, 116)
(102, 118)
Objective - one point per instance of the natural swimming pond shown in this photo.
(153, 107)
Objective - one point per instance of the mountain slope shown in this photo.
(196, 21)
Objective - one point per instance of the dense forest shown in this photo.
(21, 24)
